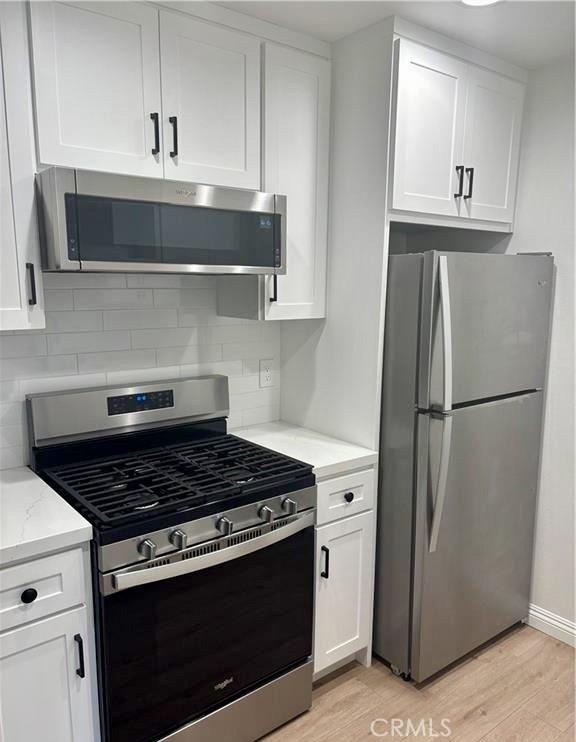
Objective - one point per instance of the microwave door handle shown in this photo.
(442, 482)
(446, 332)
(142, 575)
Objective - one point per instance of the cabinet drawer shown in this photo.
(58, 581)
(347, 495)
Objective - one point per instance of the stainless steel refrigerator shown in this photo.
(465, 355)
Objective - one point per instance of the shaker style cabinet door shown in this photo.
(211, 101)
(296, 146)
(429, 131)
(97, 82)
(21, 296)
(492, 144)
(343, 589)
(42, 694)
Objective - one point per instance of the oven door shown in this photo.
(183, 638)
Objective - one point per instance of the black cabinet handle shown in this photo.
(470, 174)
(29, 595)
(174, 121)
(460, 171)
(32, 300)
(156, 119)
(349, 496)
(274, 296)
(326, 572)
(81, 671)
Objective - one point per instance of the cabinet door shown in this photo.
(211, 99)
(21, 303)
(42, 696)
(492, 144)
(430, 111)
(344, 557)
(296, 145)
(97, 81)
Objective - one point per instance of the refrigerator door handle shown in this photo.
(442, 482)
(446, 331)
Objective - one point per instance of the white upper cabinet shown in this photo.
(430, 110)
(457, 137)
(97, 82)
(211, 100)
(492, 144)
(296, 149)
(21, 297)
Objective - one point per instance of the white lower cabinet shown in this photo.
(46, 692)
(344, 581)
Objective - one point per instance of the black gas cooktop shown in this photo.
(142, 483)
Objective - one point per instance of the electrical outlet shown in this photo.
(266, 373)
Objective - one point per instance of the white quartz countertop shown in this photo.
(34, 519)
(329, 456)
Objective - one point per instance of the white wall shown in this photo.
(545, 222)
(119, 329)
(331, 370)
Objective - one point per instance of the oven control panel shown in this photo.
(140, 402)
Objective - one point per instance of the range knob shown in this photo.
(179, 539)
(290, 506)
(266, 514)
(147, 548)
(225, 526)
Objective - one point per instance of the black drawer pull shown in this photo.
(470, 174)
(174, 121)
(460, 171)
(326, 572)
(156, 119)
(349, 496)
(81, 671)
(274, 296)
(32, 300)
(29, 595)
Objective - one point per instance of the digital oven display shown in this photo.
(140, 402)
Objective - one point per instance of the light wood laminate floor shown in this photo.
(520, 688)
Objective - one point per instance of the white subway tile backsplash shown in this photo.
(127, 319)
(142, 375)
(190, 354)
(84, 280)
(195, 298)
(21, 346)
(250, 351)
(58, 299)
(112, 298)
(117, 329)
(164, 338)
(73, 321)
(19, 368)
(115, 360)
(88, 342)
(170, 281)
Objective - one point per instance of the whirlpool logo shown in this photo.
(185, 192)
(224, 683)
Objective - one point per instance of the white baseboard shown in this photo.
(551, 624)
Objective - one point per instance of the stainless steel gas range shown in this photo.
(203, 559)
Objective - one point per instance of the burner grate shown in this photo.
(117, 490)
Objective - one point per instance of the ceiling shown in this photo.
(527, 33)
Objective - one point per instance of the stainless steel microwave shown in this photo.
(93, 221)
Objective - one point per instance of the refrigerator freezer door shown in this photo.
(473, 559)
(499, 319)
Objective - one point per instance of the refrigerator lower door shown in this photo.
(485, 322)
(477, 474)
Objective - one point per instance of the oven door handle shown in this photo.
(142, 575)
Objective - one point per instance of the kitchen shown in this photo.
(315, 260)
